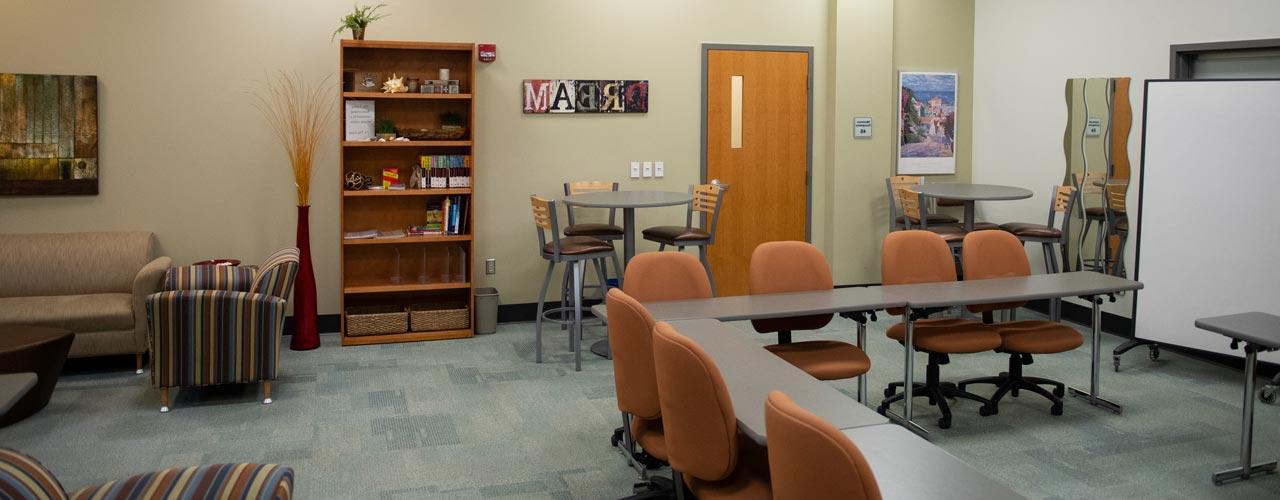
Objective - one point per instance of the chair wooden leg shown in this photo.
(266, 392)
(137, 362)
(164, 400)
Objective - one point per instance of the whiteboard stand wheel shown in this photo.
(1115, 363)
(1154, 352)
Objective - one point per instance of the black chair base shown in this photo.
(938, 393)
(1012, 381)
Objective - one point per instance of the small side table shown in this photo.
(13, 386)
(35, 349)
(1260, 332)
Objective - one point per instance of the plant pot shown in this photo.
(357, 33)
(388, 137)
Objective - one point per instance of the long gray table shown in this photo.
(750, 372)
(907, 467)
(852, 300)
(13, 386)
(1090, 285)
(1259, 332)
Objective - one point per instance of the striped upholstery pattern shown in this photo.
(275, 275)
(231, 278)
(205, 337)
(23, 477)
(222, 481)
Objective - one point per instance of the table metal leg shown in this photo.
(1246, 467)
(907, 380)
(968, 216)
(601, 347)
(862, 379)
(1092, 395)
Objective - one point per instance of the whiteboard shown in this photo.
(1209, 208)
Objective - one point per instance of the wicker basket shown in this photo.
(376, 320)
(439, 316)
(433, 134)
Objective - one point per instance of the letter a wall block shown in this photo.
(585, 96)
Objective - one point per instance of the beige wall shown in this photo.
(184, 154)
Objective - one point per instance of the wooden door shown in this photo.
(757, 143)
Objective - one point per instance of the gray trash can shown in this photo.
(486, 310)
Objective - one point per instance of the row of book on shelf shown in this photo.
(446, 217)
(432, 172)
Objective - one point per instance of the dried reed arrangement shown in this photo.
(299, 114)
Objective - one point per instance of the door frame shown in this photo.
(808, 173)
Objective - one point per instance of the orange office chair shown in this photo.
(631, 341)
(997, 254)
(703, 443)
(810, 459)
(914, 256)
(655, 276)
(796, 266)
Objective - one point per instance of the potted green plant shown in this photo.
(385, 129)
(358, 20)
(451, 121)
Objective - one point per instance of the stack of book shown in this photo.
(453, 214)
(446, 171)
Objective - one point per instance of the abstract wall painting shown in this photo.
(48, 134)
(926, 123)
(585, 96)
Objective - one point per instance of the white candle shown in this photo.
(444, 73)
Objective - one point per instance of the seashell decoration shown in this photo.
(394, 85)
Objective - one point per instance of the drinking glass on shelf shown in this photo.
(395, 278)
(422, 273)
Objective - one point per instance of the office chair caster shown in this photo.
(616, 439)
(647, 460)
(944, 423)
(1154, 353)
(1115, 363)
(1267, 394)
(986, 411)
(1056, 410)
(1059, 391)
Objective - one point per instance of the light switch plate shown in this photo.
(648, 169)
(658, 169)
(635, 170)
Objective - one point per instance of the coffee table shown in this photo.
(36, 349)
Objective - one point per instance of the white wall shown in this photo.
(1024, 50)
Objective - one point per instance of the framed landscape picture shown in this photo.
(48, 134)
(926, 123)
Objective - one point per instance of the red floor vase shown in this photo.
(305, 336)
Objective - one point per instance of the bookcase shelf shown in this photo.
(367, 264)
(407, 192)
(405, 144)
(404, 95)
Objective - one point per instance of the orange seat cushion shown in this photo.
(824, 359)
(958, 336)
(648, 432)
(749, 479)
(578, 245)
(1038, 337)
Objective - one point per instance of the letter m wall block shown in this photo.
(537, 96)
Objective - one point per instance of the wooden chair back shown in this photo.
(1116, 197)
(893, 185)
(1088, 183)
(706, 197)
(1062, 199)
(910, 202)
(579, 187)
(541, 212)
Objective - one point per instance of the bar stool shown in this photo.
(575, 251)
(707, 199)
(913, 207)
(1117, 225)
(607, 231)
(1090, 183)
(1047, 235)
(898, 220)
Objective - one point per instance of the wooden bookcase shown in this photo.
(430, 269)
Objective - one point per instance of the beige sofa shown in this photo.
(93, 284)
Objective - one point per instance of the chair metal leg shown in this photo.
(678, 478)
(617, 266)
(1099, 254)
(579, 268)
(702, 255)
(662, 246)
(566, 287)
(537, 322)
(266, 392)
(602, 276)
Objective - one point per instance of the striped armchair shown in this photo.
(219, 324)
(24, 477)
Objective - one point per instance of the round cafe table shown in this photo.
(628, 201)
(969, 193)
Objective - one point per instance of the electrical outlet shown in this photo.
(490, 266)
(648, 169)
(635, 170)
(658, 169)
